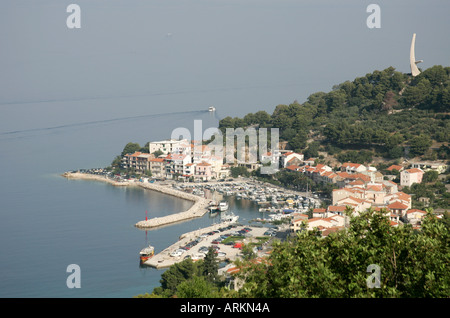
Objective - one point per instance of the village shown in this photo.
(192, 168)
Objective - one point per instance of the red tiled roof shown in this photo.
(397, 206)
(336, 208)
(415, 170)
(415, 210)
(349, 164)
(396, 167)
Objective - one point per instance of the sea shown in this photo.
(49, 222)
(72, 98)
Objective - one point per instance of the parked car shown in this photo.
(177, 252)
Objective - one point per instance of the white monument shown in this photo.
(412, 58)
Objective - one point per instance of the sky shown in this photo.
(136, 57)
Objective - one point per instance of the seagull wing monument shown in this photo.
(412, 58)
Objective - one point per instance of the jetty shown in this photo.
(198, 209)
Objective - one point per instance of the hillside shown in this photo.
(384, 115)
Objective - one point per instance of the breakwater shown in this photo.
(198, 209)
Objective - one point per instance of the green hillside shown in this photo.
(385, 114)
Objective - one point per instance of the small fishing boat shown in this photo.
(146, 253)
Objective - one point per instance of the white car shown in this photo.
(198, 256)
(177, 252)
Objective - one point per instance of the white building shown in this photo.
(168, 146)
(291, 158)
(410, 176)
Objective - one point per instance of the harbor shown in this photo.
(276, 201)
(195, 244)
(198, 209)
(227, 236)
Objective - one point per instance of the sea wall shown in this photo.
(198, 209)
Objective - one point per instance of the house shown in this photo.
(342, 193)
(203, 171)
(410, 176)
(138, 160)
(359, 205)
(398, 208)
(189, 170)
(325, 223)
(353, 167)
(200, 153)
(293, 168)
(168, 146)
(398, 197)
(291, 158)
(158, 167)
(415, 216)
(319, 213)
(390, 186)
(271, 157)
(438, 166)
(336, 209)
(375, 193)
(175, 164)
(395, 167)
(297, 220)
(310, 161)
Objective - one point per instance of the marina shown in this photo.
(279, 203)
(276, 201)
(195, 244)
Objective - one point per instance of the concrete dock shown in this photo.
(198, 209)
(164, 258)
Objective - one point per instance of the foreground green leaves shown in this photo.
(412, 263)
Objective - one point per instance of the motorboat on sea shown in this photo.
(223, 206)
(146, 253)
(212, 109)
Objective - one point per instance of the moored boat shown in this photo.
(229, 217)
(223, 206)
(146, 253)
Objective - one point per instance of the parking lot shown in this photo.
(227, 240)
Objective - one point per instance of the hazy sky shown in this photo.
(133, 57)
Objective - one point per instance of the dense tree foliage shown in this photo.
(387, 111)
(189, 279)
(412, 263)
(130, 147)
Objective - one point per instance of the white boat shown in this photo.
(229, 217)
(212, 109)
(223, 206)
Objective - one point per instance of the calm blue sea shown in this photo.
(48, 222)
(134, 71)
